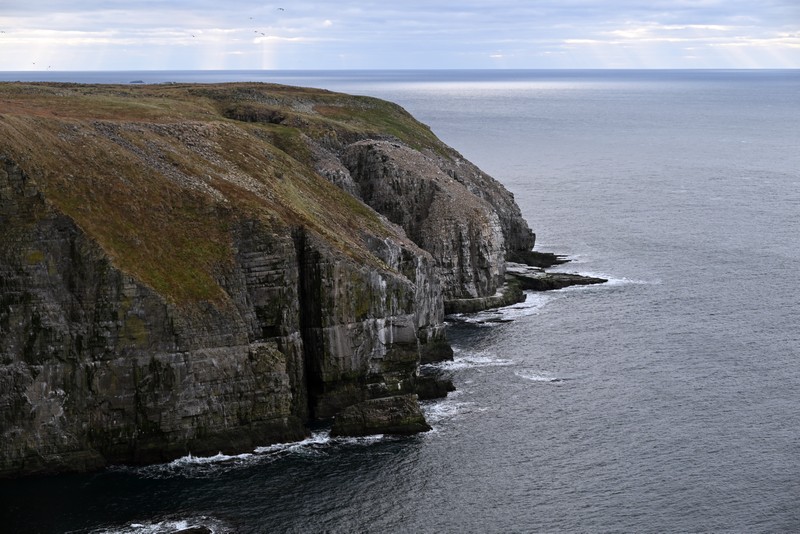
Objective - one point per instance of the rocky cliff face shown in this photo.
(192, 269)
(467, 220)
(461, 230)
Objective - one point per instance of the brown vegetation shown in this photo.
(156, 174)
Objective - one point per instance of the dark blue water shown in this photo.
(664, 401)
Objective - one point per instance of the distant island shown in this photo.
(203, 268)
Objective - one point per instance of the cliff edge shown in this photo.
(204, 268)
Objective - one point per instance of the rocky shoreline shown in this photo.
(196, 268)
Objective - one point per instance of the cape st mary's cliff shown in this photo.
(203, 268)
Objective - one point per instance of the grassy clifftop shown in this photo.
(158, 174)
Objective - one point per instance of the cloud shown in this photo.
(190, 34)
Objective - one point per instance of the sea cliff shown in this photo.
(203, 268)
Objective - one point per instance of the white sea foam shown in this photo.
(364, 440)
(624, 281)
(540, 376)
(319, 441)
(204, 460)
(438, 411)
(316, 439)
(192, 466)
(534, 302)
(165, 526)
(470, 360)
(611, 281)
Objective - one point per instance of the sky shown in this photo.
(69, 35)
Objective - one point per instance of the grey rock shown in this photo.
(536, 279)
(433, 387)
(388, 415)
(462, 231)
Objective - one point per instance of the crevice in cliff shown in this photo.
(310, 316)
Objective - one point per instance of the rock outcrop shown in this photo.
(204, 268)
(532, 278)
(391, 415)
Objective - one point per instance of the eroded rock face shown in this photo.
(519, 238)
(364, 328)
(461, 230)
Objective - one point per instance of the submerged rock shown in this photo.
(400, 414)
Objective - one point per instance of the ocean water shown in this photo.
(667, 400)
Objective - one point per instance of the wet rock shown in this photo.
(508, 294)
(537, 259)
(389, 415)
(536, 279)
(432, 387)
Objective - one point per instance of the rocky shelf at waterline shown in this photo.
(537, 279)
(521, 278)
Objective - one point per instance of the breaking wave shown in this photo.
(534, 302)
(540, 376)
(168, 526)
(470, 360)
(190, 466)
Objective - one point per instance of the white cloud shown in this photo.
(184, 34)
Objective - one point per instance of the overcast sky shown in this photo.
(399, 34)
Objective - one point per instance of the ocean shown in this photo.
(666, 400)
